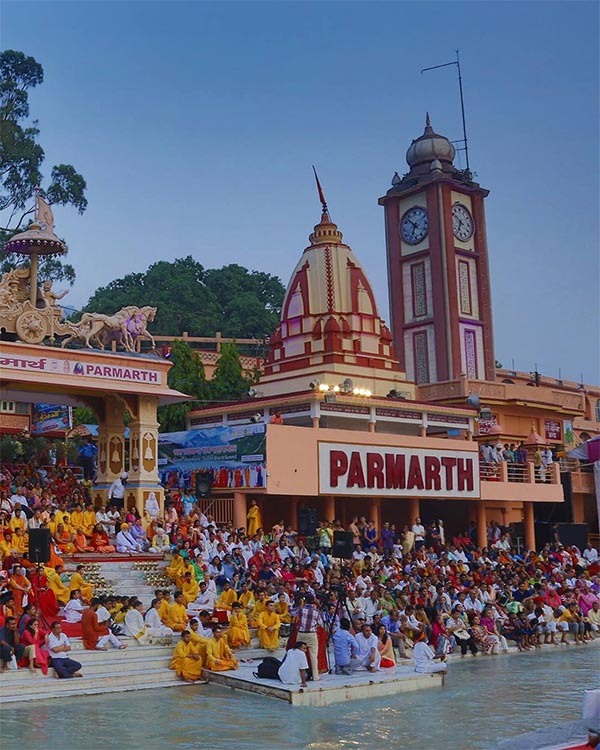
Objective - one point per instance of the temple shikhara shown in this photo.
(350, 417)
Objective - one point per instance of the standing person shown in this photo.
(59, 647)
(254, 519)
(419, 531)
(116, 492)
(294, 667)
(309, 619)
(268, 628)
(425, 658)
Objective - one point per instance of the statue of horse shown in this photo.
(124, 327)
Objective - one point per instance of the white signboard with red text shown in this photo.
(386, 471)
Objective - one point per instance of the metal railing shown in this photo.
(509, 471)
(220, 508)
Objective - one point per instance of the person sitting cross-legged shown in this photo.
(268, 627)
(345, 649)
(368, 649)
(96, 635)
(186, 660)
(218, 654)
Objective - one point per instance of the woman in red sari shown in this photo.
(43, 596)
(34, 637)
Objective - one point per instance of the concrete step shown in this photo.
(91, 668)
(75, 688)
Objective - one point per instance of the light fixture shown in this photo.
(314, 383)
(323, 387)
(347, 386)
(256, 418)
(336, 389)
(252, 392)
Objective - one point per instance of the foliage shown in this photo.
(186, 375)
(21, 158)
(84, 415)
(229, 382)
(233, 300)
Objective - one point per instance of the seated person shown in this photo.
(186, 660)
(218, 654)
(238, 633)
(368, 649)
(294, 667)
(268, 627)
(425, 657)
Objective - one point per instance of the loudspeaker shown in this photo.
(39, 545)
(343, 545)
(573, 534)
(203, 484)
(307, 521)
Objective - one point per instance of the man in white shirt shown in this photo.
(19, 497)
(419, 531)
(206, 598)
(125, 542)
(59, 647)
(295, 665)
(116, 492)
(590, 553)
(368, 652)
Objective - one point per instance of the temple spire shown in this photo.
(324, 208)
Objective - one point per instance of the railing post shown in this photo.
(503, 471)
(554, 473)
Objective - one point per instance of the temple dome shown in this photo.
(430, 147)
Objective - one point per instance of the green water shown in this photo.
(484, 700)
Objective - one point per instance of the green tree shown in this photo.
(229, 382)
(233, 300)
(187, 376)
(84, 415)
(21, 159)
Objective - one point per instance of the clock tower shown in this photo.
(438, 275)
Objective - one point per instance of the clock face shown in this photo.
(462, 222)
(414, 225)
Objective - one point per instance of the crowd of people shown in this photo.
(409, 593)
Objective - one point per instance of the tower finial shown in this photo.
(427, 121)
(321, 194)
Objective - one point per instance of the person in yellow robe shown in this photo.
(186, 660)
(259, 606)
(283, 610)
(177, 618)
(238, 633)
(78, 582)
(254, 519)
(268, 628)
(175, 568)
(89, 520)
(163, 607)
(5, 545)
(60, 590)
(198, 639)
(20, 541)
(218, 654)
(186, 568)
(190, 588)
(227, 598)
(17, 522)
(76, 519)
(246, 599)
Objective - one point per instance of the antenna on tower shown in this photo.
(321, 194)
(456, 62)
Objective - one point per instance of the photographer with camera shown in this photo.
(309, 619)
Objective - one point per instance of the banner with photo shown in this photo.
(47, 418)
(229, 457)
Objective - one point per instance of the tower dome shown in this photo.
(430, 147)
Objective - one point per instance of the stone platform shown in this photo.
(330, 688)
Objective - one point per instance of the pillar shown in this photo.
(481, 524)
(329, 508)
(315, 422)
(111, 446)
(375, 512)
(239, 510)
(529, 524)
(503, 471)
(371, 426)
(413, 510)
(293, 513)
(143, 454)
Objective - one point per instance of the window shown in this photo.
(7, 406)
(421, 354)
(598, 410)
(419, 292)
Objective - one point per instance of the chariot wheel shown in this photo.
(31, 327)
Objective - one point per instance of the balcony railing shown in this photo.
(508, 471)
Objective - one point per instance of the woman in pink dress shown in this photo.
(34, 637)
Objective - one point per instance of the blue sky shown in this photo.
(196, 124)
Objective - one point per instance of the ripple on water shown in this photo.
(485, 700)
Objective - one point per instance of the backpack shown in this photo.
(268, 669)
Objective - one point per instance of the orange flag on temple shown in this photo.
(320, 189)
(44, 215)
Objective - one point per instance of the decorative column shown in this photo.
(375, 512)
(413, 510)
(239, 510)
(329, 508)
(481, 524)
(143, 455)
(293, 513)
(111, 447)
(529, 524)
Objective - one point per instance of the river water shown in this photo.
(484, 700)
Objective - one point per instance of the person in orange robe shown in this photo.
(19, 585)
(100, 541)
